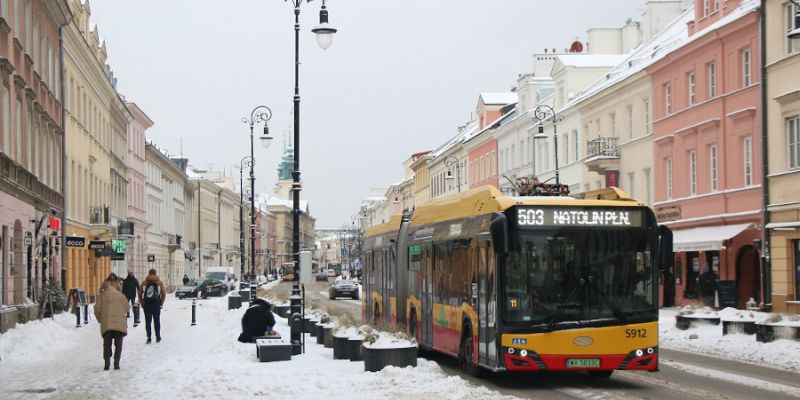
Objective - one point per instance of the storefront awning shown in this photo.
(705, 238)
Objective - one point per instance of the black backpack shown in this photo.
(151, 292)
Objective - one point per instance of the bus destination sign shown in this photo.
(577, 217)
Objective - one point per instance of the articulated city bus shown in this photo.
(523, 283)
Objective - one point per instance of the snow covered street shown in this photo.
(51, 359)
(54, 360)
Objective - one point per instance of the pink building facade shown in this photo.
(707, 163)
(483, 162)
(137, 190)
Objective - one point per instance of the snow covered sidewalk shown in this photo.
(54, 360)
(708, 340)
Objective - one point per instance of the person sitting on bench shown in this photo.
(257, 321)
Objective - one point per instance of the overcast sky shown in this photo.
(400, 77)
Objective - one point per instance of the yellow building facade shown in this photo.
(783, 136)
(96, 129)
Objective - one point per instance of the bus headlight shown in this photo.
(523, 353)
(650, 350)
(639, 353)
(510, 350)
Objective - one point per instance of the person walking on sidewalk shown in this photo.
(185, 279)
(110, 310)
(151, 297)
(129, 287)
(708, 287)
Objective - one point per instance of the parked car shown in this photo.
(201, 288)
(331, 272)
(342, 288)
(321, 276)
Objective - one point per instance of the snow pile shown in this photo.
(691, 311)
(780, 320)
(386, 340)
(708, 340)
(735, 315)
(346, 331)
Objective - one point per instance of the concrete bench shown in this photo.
(273, 350)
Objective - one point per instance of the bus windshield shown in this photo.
(579, 276)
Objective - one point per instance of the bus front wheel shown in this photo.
(466, 354)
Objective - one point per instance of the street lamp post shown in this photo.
(245, 162)
(258, 115)
(324, 33)
(449, 161)
(546, 113)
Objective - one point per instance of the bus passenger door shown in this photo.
(427, 297)
(480, 262)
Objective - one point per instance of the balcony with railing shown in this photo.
(173, 242)
(602, 154)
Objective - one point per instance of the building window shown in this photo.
(747, 152)
(712, 155)
(690, 79)
(502, 164)
(692, 172)
(667, 99)
(647, 186)
(712, 80)
(789, 12)
(706, 7)
(575, 140)
(632, 185)
(745, 67)
(647, 117)
(796, 268)
(513, 156)
(613, 119)
(668, 173)
(793, 129)
(564, 141)
(630, 121)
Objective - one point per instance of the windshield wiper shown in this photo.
(564, 304)
(614, 309)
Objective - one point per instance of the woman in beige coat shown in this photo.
(110, 310)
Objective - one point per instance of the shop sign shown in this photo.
(668, 214)
(75, 241)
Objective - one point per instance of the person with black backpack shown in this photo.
(151, 297)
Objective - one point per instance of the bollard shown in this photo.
(194, 304)
(78, 316)
(86, 314)
(252, 292)
(135, 315)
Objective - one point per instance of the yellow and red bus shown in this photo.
(513, 283)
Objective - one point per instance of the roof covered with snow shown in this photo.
(587, 60)
(642, 56)
(492, 98)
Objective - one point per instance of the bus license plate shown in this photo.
(583, 363)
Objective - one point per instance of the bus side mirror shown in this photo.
(664, 247)
(499, 231)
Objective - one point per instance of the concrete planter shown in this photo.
(320, 333)
(313, 328)
(282, 310)
(376, 359)
(245, 295)
(8, 318)
(340, 347)
(684, 323)
(33, 312)
(234, 302)
(742, 327)
(768, 333)
(327, 333)
(354, 348)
